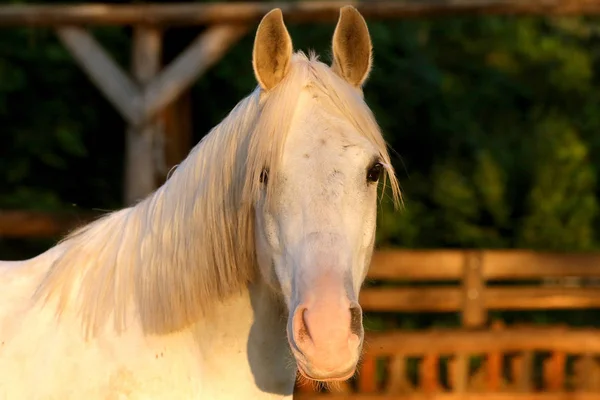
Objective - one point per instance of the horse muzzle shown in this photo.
(326, 335)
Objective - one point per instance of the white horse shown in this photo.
(244, 267)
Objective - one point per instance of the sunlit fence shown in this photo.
(481, 357)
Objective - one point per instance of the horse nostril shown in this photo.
(302, 332)
(356, 320)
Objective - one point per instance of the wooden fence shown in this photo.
(474, 283)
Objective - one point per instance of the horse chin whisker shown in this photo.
(334, 386)
(315, 385)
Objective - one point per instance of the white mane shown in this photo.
(191, 243)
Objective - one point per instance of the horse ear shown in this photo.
(352, 48)
(272, 51)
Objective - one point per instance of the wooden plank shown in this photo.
(541, 298)
(423, 299)
(423, 265)
(204, 52)
(525, 264)
(450, 299)
(367, 378)
(398, 381)
(494, 364)
(307, 11)
(554, 372)
(473, 313)
(452, 396)
(584, 372)
(140, 102)
(178, 131)
(103, 71)
(142, 139)
(522, 371)
(458, 373)
(473, 286)
(429, 373)
(27, 224)
(453, 341)
(493, 371)
(417, 265)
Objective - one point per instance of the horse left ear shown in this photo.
(272, 51)
(352, 48)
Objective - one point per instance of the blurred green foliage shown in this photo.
(496, 131)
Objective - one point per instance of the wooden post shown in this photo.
(178, 132)
(554, 371)
(428, 373)
(107, 75)
(367, 378)
(141, 160)
(473, 314)
(584, 372)
(142, 98)
(458, 375)
(493, 364)
(522, 372)
(206, 50)
(398, 382)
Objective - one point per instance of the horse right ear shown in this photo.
(352, 48)
(272, 51)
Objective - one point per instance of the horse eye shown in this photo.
(264, 176)
(374, 172)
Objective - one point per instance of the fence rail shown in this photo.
(449, 396)
(450, 299)
(251, 12)
(446, 265)
(30, 224)
(574, 341)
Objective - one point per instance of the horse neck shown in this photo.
(247, 333)
(253, 313)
